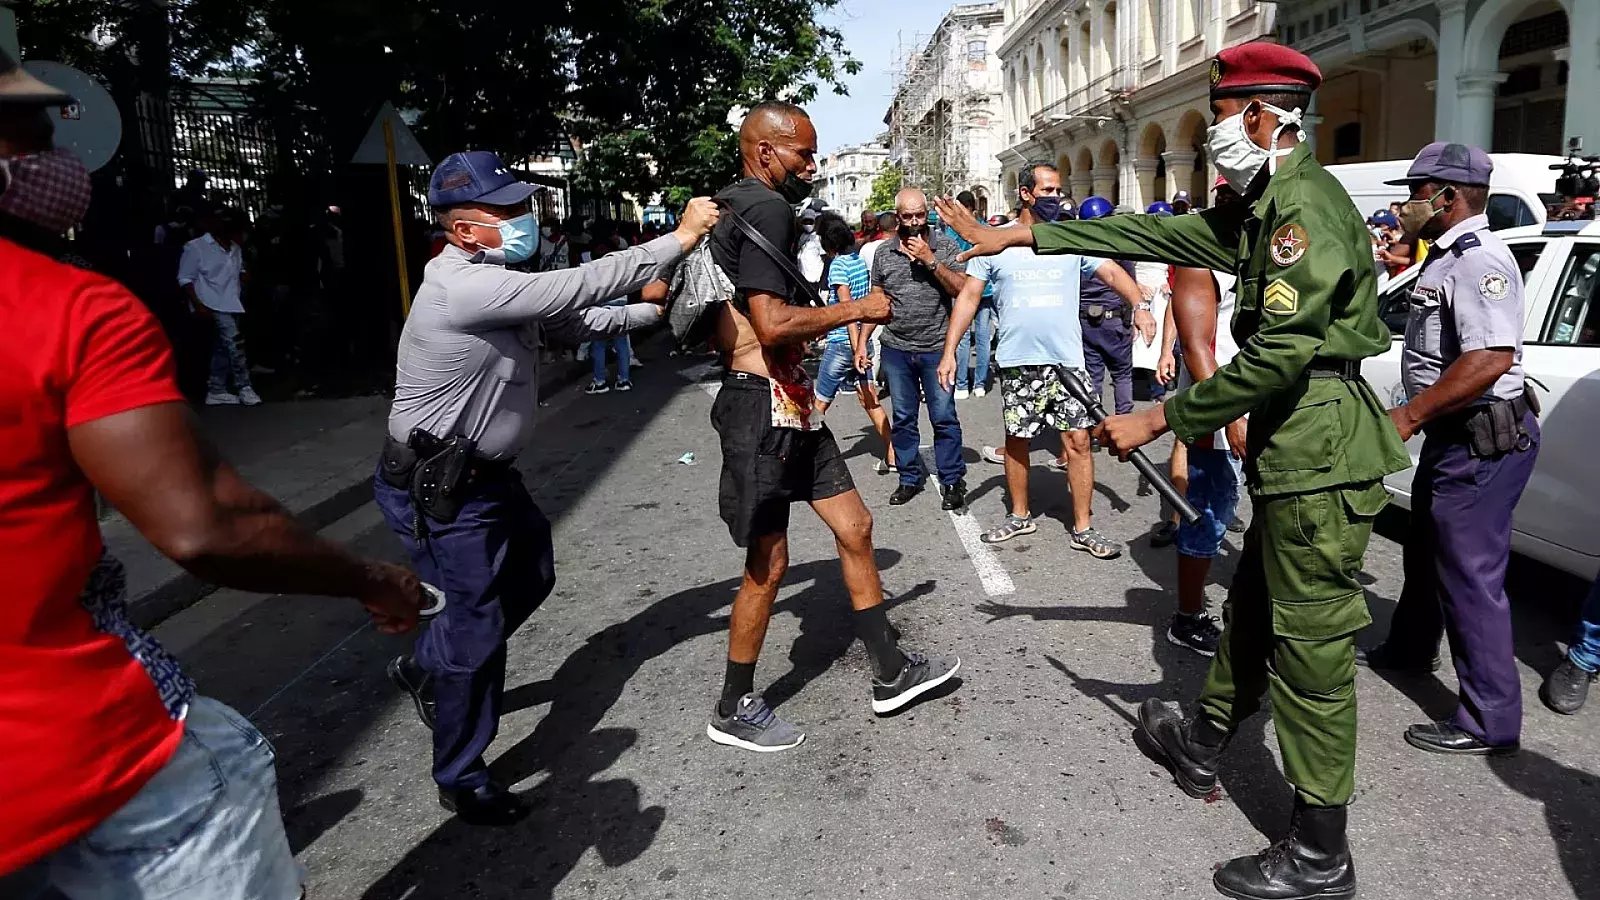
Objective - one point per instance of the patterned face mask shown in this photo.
(49, 189)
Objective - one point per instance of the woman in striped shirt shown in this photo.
(848, 280)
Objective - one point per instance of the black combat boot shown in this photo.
(1191, 747)
(1312, 863)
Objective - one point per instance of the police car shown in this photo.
(1558, 519)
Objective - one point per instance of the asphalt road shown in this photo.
(1023, 783)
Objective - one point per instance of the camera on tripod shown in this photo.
(1577, 178)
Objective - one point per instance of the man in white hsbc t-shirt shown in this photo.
(211, 273)
(1202, 307)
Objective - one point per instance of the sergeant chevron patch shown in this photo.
(1281, 299)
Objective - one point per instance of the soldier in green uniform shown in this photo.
(1319, 445)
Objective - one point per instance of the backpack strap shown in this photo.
(788, 267)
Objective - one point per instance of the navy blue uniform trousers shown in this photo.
(495, 564)
(1108, 346)
(1455, 565)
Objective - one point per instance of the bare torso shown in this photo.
(737, 337)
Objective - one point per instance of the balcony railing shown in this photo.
(1080, 99)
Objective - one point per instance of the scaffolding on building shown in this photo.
(935, 97)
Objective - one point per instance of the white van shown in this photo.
(1519, 189)
(1558, 520)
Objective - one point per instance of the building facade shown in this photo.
(844, 178)
(1114, 93)
(1506, 75)
(945, 119)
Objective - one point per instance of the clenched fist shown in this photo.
(699, 217)
(875, 308)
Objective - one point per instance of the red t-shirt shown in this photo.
(90, 708)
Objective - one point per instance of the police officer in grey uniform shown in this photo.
(1462, 368)
(466, 389)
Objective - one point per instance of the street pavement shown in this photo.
(1022, 783)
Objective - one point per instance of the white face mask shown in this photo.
(808, 229)
(1239, 159)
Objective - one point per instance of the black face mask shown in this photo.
(793, 189)
(910, 231)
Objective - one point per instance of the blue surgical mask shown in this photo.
(1047, 209)
(519, 238)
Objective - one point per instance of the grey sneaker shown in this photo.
(918, 676)
(1566, 688)
(754, 726)
(1013, 526)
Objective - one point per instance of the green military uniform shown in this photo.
(1320, 443)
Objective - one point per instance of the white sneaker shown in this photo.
(979, 391)
(222, 398)
(249, 397)
(961, 393)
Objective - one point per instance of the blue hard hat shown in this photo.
(1095, 208)
(1159, 208)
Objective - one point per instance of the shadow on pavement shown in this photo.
(1570, 797)
(1545, 603)
(572, 810)
(591, 680)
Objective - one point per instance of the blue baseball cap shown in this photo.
(1385, 218)
(1444, 161)
(476, 176)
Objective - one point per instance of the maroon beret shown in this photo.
(1262, 67)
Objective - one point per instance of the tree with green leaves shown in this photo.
(649, 87)
(890, 178)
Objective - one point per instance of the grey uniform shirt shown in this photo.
(469, 353)
(919, 303)
(1468, 297)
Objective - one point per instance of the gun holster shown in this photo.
(433, 471)
(1497, 429)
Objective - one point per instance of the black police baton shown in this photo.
(1157, 478)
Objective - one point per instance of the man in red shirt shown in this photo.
(118, 779)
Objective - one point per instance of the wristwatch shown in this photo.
(1143, 306)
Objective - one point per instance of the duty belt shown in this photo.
(1330, 367)
(400, 460)
(1489, 430)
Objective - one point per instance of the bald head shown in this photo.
(911, 205)
(778, 140)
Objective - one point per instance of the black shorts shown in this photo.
(764, 469)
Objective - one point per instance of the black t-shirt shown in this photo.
(749, 267)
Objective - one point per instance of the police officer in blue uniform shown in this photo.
(1108, 324)
(466, 391)
(1462, 368)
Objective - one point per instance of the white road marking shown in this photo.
(996, 581)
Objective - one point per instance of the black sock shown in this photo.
(739, 679)
(882, 641)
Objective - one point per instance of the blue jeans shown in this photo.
(905, 371)
(495, 564)
(1585, 652)
(1214, 479)
(207, 825)
(227, 356)
(597, 353)
(838, 370)
(983, 328)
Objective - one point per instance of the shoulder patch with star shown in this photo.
(1281, 299)
(1494, 285)
(1289, 243)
